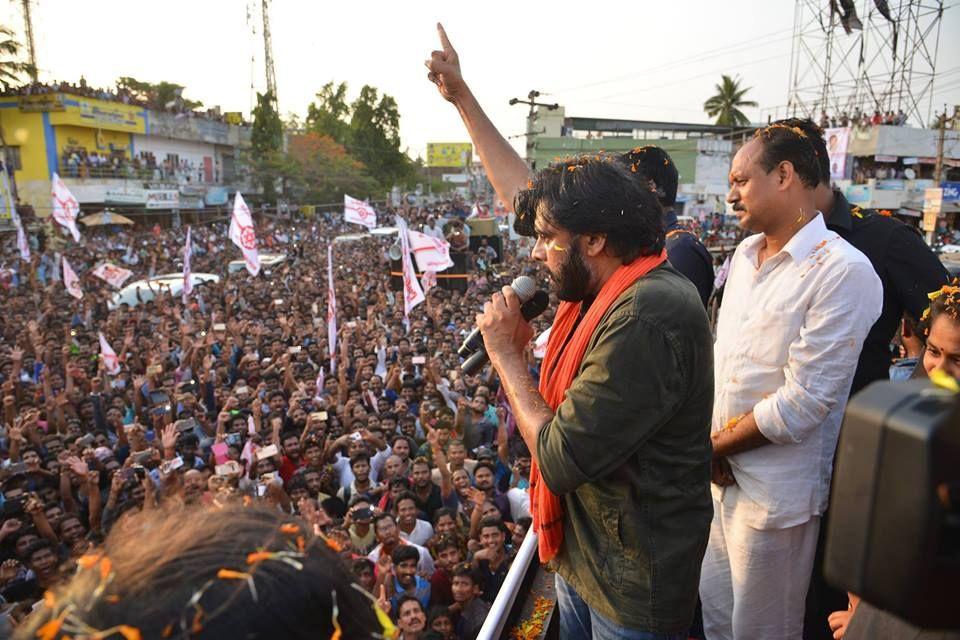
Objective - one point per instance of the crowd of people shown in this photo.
(232, 472)
(77, 162)
(116, 94)
(410, 470)
(862, 119)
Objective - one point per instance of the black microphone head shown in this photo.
(524, 287)
(536, 305)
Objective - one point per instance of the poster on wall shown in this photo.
(838, 140)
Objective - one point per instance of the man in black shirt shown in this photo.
(907, 267)
(908, 270)
(684, 250)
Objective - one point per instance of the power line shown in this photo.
(732, 48)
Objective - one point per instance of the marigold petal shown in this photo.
(129, 633)
(258, 556)
(230, 574)
(88, 560)
(50, 630)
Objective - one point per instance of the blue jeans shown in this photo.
(579, 622)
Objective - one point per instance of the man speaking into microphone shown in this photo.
(619, 428)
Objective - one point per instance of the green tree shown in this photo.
(375, 137)
(369, 128)
(330, 114)
(266, 144)
(158, 96)
(12, 71)
(725, 105)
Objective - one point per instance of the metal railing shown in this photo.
(493, 626)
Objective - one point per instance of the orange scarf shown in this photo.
(560, 367)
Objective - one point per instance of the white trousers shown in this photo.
(754, 582)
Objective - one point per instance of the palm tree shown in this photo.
(11, 75)
(726, 104)
(11, 70)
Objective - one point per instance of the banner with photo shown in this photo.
(838, 140)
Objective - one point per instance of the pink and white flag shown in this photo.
(65, 207)
(412, 293)
(321, 380)
(187, 280)
(428, 280)
(112, 274)
(331, 313)
(110, 360)
(243, 234)
(22, 243)
(71, 281)
(359, 212)
(431, 254)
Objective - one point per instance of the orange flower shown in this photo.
(333, 544)
(88, 560)
(230, 574)
(290, 528)
(258, 556)
(301, 544)
(885, 212)
(105, 567)
(197, 625)
(129, 633)
(50, 630)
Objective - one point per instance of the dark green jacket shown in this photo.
(629, 450)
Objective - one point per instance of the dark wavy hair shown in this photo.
(654, 164)
(180, 574)
(784, 143)
(815, 136)
(594, 194)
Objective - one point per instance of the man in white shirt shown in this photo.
(798, 303)
(432, 228)
(412, 529)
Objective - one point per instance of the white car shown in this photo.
(149, 288)
(267, 261)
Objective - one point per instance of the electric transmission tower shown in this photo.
(31, 47)
(268, 53)
(865, 55)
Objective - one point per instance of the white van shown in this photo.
(149, 288)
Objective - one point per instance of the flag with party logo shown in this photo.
(243, 234)
(65, 207)
(359, 212)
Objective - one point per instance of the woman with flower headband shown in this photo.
(942, 329)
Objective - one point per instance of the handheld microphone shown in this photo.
(524, 287)
(534, 303)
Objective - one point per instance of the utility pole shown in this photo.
(28, 27)
(532, 117)
(942, 125)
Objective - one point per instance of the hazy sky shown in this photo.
(642, 60)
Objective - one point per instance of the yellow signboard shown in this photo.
(449, 154)
(41, 102)
(100, 114)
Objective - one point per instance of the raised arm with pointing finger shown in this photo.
(505, 169)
